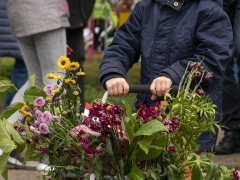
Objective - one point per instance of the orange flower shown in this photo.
(164, 103)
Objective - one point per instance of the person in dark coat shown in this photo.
(231, 92)
(167, 35)
(9, 48)
(80, 12)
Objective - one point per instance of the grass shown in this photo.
(93, 88)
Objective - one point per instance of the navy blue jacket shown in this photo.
(8, 44)
(168, 34)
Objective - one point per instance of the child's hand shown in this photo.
(117, 86)
(159, 86)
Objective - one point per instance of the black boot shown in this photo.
(229, 144)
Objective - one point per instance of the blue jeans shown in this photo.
(19, 77)
(231, 91)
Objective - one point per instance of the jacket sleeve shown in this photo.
(124, 50)
(214, 43)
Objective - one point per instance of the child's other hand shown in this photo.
(117, 86)
(159, 86)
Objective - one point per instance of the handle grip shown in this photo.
(140, 89)
(133, 88)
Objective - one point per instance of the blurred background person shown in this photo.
(125, 5)
(113, 4)
(39, 27)
(80, 12)
(9, 48)
(101, 14)
(231, 92)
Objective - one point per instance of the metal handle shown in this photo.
(139, 88)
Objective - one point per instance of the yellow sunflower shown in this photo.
(80, 73)
(75, 93)
(58, 76)
(28, 114)
(72, 81)
(73, 66)
(50, 76)
(63, 62)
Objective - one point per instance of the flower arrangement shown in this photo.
(157, 142)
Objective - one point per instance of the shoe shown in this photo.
(229, 144)
(43, 165)
(16, 160)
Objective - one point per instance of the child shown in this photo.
(167, 35)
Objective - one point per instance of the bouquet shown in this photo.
(110, 141)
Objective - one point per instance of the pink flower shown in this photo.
(47, 89)
(38, 114)
(37, 123)
(56, 118)
(34, 131)
(46, 117)
(172, 149)
(76, 130)
(44, 128)
(40, 101)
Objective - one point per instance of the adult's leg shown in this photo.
(231, 94)
(50, 46)
(19, 77)
(29, 54)
(75, 41)
(98, 28)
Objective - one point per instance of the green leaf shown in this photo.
(109, 149)
(150, 128)
(144, 148)
(28, 132)
(211, 171)
(30, 150)
(196, 172)
(7, 145)
(147, 140)
(3, 131)
(152, 174)
(32, 93)
(136, 173)
(5, 174)
(8, 111)
(6, 84)
(16, 137)
(3, 164)
(33, 80)
(153, 153)
(129, 131)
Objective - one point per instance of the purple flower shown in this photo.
(172, 149)
(43, 150)
(200, 92)
(34, 131)
(35, 140)
(43, 127)
(209, 75)
(46, 117)
(37, 123)
(38, 114)
(56, 118)
(48, 89)
(236, 175)
(40, 101)
(194, 64)
(197, 74)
